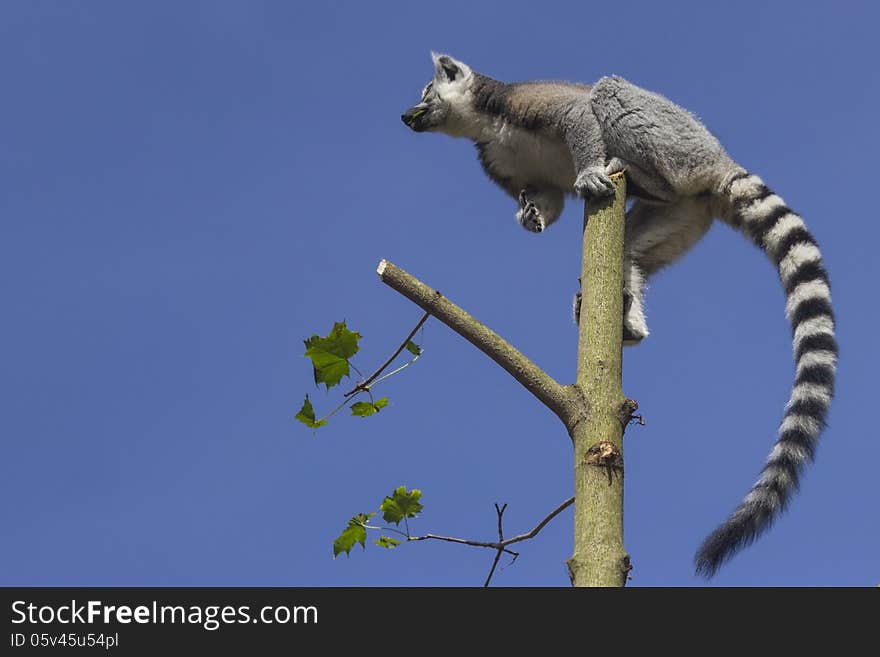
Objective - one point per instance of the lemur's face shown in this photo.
(440, 97)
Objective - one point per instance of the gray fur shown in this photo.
(543, 141)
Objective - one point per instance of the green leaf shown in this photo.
(306, 415)
(330, 354)
(355, 532)
(387, 542)
(346, 540)
(401, 504)
(413, 348)
(365, 409)
(362, 409)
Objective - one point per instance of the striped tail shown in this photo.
(782, 235)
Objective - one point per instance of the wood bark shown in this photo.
(599, 558)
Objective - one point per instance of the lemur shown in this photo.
(541, 141)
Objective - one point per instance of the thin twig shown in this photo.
(334, 411)
(391, 373)
(387, 529)
(363, 385)
(501, 544)
(512, 560)
(492, 569)
(555, 512)
(462, 541)
(500, 512)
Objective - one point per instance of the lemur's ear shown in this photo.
(448, 69)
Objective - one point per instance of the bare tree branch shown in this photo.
(501, 544)
(462, 541)
(555, 512)
(562, 400)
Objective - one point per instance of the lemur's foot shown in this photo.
(593, 182)
(615, 165)
(631, 336)
(528, 215)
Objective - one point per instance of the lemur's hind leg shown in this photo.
(539, 207)
(656, 235)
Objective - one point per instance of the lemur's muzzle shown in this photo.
(411, 117)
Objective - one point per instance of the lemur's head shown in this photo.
(445, 99)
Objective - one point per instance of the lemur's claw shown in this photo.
(529, 216)
(615, 165)
(593, 182)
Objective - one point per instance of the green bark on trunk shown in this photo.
(599, 557)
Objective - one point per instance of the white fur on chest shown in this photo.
(528, 156)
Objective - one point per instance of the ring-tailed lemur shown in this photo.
(541, 141)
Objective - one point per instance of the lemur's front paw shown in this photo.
(615, 165)
(528, 215)
(593, 182)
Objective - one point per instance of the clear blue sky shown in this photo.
(191, 189)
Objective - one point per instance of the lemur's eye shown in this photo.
(427, 89)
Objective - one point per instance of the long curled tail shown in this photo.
(781, 234)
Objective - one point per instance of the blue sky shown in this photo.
(191, 189)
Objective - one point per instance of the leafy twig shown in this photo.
(404, 504)
(501, 545)
(331, 361)
(364, 385)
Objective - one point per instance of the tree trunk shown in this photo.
(599, 557)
